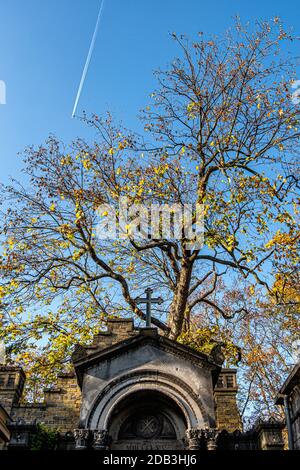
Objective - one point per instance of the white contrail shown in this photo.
(88, 59)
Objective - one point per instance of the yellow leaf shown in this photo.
(123, 144)
(2, 292)
(86, 163)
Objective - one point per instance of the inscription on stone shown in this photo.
(148, 445)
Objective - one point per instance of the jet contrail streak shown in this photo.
(88, 59)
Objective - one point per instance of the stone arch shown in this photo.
(136, 424)
(125, 385)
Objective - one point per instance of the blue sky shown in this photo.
(44, 44)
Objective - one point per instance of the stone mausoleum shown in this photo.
(134, 389)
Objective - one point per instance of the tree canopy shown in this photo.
(221, 130)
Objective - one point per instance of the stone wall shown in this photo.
(60, 408)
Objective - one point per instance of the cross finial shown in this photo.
(148, 300)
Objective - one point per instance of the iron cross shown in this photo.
(148, 300)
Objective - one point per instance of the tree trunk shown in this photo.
(179, 303)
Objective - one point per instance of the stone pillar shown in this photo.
(227, 413)
(12, 381)
(120, 329)
(100, 439)
(20, 434)
(269, 434)
(211, 435)
(193, 437)
(81, 437)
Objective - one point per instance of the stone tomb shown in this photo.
(144, 392)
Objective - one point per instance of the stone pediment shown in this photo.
(87, 357)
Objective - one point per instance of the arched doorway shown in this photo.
(123, 387)
(147, 420)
